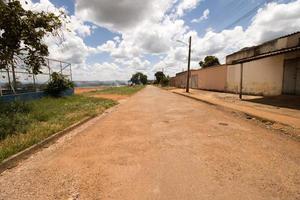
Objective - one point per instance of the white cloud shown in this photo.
(272, 21)
(186, 5)
(152, 27)
(122, 15)
(203, 17)
(70, 46)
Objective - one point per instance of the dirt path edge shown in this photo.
(14, 160)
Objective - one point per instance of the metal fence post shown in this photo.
(34, 85)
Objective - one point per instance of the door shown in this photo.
(298, 78)
(194, 81)
(291, 79)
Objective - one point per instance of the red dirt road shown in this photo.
(159, 145)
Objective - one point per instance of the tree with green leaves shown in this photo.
(209, 61)
(139, 78)
(159, 76)
(21, 36)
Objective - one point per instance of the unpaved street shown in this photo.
(159, 145)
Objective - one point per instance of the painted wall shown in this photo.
(32, 96)
(260, 77)
(212, 78)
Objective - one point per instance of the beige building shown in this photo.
(269, 69)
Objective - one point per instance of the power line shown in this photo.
(249, 13)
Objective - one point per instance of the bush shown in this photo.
(58, 84)
(164, 81)
(13, 118)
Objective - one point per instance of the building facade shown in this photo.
(269, 69)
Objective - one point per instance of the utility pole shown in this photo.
(189, 65)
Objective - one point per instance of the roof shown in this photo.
(273, 53)
(248, 48)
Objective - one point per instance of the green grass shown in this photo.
(25, 124)
(123, 90)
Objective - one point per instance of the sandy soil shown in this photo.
(159, 145)
(115, 97)
(80, 90)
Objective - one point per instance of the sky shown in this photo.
(112, 39)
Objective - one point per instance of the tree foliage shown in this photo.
(22, 33)
(159, 76)
(139, 78)
(209, 61)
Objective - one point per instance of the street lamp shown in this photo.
(189, 63)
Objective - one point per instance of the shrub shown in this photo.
(58, 84)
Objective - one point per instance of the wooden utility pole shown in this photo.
(189, 65)
(241, 81)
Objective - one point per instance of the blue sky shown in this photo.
(110, 40)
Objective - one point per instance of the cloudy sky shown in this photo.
(112, 39)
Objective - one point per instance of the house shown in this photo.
(269, 69)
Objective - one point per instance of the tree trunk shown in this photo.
(9, 81)
(14, 78)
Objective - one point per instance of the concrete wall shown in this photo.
(212, 78)
(180, 80)
(260, 77)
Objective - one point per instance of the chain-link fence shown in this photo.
(28, 82)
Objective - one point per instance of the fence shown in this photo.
(27, 82)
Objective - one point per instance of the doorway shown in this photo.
(194, 81)
(291, 78)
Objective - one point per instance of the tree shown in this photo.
(209, 61)
(159, 76)
(139, 78)
(21, 36)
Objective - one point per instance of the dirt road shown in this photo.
(159, 145)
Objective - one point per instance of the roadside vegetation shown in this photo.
(161, 79)
(123, 90)
(24, 124)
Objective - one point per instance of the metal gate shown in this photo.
(291, 78)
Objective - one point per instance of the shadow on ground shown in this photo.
(283, 101)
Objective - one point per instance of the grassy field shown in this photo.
(123, 90)
(24, 124)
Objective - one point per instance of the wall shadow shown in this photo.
(283, 101)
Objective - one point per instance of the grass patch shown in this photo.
(123, 90)
(25, 124)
